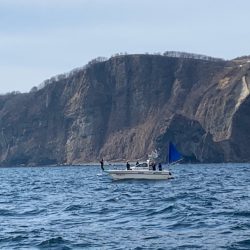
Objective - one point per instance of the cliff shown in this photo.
(127, 106)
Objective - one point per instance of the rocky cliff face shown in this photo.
(126, 107)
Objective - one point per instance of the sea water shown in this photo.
(203, 207)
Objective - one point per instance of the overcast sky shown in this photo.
(42, 38)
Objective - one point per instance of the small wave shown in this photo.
(243, 244)
(111, 199)
(180, 225)
(161, 211)
(6, 212)
(73, 208)
(233, 213)
(17, 238)
(191, 246)
(99, 189)
(226, 232)
(102, 211)
(237, 227)
(169, 199)
(151, 237)
(121, 222)
(83, 245)
(183, 195)
(195, 236)
(33, 212)
(242, 213)
(127, 194)
(54, 243)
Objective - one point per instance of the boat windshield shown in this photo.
(142, 165)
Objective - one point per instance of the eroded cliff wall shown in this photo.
(128, 106)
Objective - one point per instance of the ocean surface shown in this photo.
(203, 207)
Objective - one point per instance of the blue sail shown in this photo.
(173, 154)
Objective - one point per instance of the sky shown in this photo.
(43, 38)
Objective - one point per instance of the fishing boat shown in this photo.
(147, 170)
(139, 174)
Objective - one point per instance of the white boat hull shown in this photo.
(139, 174)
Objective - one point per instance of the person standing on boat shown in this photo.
(128, 166)
(102, 163)
(153, 166)
(160, 167)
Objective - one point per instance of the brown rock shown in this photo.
(127, 106)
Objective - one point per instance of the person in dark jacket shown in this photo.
(160, 167)
(154, 166)
(128, 166)
(102, 163)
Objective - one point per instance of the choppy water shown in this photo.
(204, 207)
